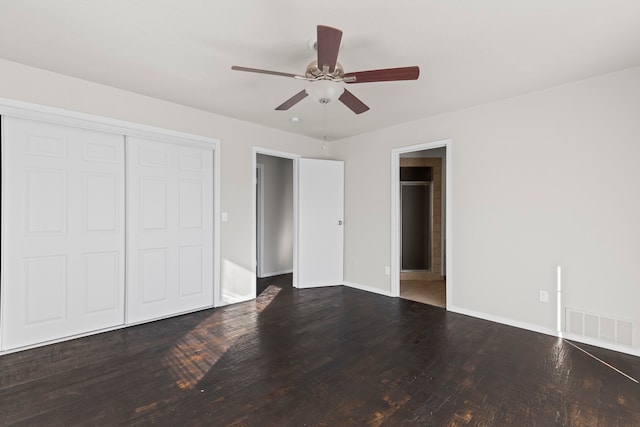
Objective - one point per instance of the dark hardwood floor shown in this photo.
(319, 357)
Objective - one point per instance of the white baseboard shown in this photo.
(277, 273)
(598, 343)
(503, 320)
(368, 289)
(319, 285)
(230, 301)
(542, 330)
(517, 324)
(233, 298)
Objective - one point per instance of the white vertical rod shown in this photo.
(559, 300)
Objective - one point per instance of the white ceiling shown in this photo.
(469, 51)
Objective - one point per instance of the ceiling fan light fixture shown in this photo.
(324, 91)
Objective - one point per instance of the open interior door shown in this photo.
(320, 229)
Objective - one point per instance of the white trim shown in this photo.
(275, 273)
(395, 213)
(217, 231)
(503, 320)
(232, 298)
(3, 203)
(449, 225)
(597, 343)
(295, 158)
(368, 289)
(25, 110)
(127, 227)
(260, 219)
(275, 153)
(544, 330)
(321, 285)
(296, 220)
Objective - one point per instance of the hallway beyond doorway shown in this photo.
(433, 292)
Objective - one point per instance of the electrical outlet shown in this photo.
(543, 296)
(387, 270)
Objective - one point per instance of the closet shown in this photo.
(101, 229)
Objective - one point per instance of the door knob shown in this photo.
(339, 222)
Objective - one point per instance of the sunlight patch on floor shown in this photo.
(194, 354)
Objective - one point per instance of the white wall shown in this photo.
(237, 141)
(277, 183)
(546, 179)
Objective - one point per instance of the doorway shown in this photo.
(421, 223)
(274, 221)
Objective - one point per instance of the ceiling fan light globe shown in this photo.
(324, 91)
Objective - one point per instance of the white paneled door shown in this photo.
(320, 235)
(170, 229)
(63, 231)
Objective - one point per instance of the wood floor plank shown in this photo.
(318, 357)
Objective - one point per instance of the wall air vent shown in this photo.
(600, 327)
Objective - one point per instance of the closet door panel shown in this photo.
(64, 231)
(154, 276)
(170, 240)
(45, 290)
(101, 275)
(46, 187)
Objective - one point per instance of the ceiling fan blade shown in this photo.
(292, 101)
(384, 75)
(351, 101)
(328, 44)
(257, 70)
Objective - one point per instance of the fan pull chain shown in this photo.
(324, 122)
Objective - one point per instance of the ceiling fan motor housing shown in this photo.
(315, 73)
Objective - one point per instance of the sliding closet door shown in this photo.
(63, 226)
(170, 229)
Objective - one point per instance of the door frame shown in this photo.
(395, 214)
(254, 244)
(259, 218)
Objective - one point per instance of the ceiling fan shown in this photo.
(326, 73)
